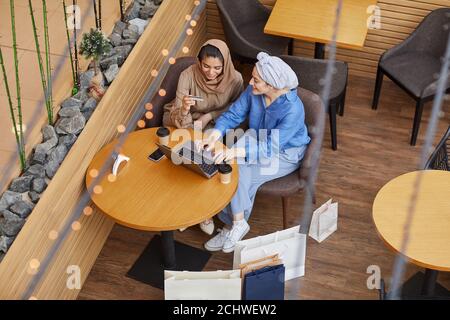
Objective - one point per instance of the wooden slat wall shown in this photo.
(53, 210)
(398, 18)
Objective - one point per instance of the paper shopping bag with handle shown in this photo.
(266, 283)
(204, 285)
(258, 264)
(289, 244)
(324, 221)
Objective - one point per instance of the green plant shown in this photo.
(75, 50)
(72, 64)
(46, 75)
(17, 124)
(93, 45)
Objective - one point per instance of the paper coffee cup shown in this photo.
(163, 136)
(225, 171)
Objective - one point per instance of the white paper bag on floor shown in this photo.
(203, 285)
(324, 221)
(289, 244)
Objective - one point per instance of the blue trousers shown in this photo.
(252, 176)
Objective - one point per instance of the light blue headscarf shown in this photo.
(276, 72)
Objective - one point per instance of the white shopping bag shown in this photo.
(289, 244)
(204, 285)
(324, 221)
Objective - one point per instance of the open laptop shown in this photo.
(199, 162)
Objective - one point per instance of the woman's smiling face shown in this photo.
(259, 85)
(211, 67)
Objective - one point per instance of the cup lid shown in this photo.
(225, 168)
(162, 132)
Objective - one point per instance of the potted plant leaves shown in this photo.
(93, 46)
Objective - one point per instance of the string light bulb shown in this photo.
(52, 235)
(87, 211)
(98, 189)
(76, 226)
(121, 128)
(140, 124)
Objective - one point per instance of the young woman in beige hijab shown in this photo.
(215, 80)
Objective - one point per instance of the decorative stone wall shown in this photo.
(17, 203)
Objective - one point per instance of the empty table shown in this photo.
(314, 22)
(429, 233)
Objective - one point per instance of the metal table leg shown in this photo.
(319, 51)
(291, 47)
(429, 282)
(164, 253)
(168, 247)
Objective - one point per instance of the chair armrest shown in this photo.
(311, 155)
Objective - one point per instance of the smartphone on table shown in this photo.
(156, 155)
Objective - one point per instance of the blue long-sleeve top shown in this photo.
(286, 114)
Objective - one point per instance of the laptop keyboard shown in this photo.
(207, 167)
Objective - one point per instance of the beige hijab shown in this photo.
(228, 76)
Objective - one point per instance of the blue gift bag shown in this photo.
(264, 284)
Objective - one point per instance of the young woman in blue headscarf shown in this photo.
(273, 146)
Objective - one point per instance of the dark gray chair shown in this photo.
(310, 73)
(440, 158)
(414, 63)
(292, 184)
(243, 24)
(170, 84)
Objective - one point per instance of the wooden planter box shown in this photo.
(56, 206)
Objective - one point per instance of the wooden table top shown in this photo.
(429, 236)
(314, 21)
(157, 196)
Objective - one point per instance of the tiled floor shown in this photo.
(34, 112)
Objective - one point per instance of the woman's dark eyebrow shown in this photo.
(205, 64)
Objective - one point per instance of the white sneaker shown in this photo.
(236, 234)
(216, 243)
(207, 226)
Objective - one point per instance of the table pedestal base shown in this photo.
(414, 288)
(149, 267)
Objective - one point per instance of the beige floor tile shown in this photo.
(33, 116)
(51, 4)
(30, 77)
(8, 58)
(10, 166)
(24, 29)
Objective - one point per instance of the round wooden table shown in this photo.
(157, 196)
(429, 232)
